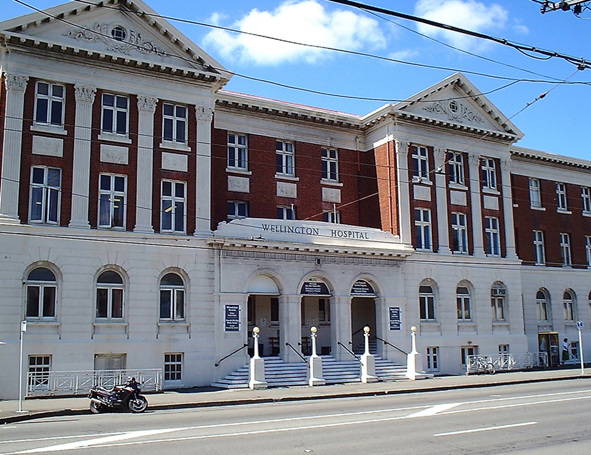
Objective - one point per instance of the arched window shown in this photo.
(542, 305)
(498, 294)
(426, 303)
(464, 304)
(109, 296)
(172, 297)
(568, 301)
(41, 294)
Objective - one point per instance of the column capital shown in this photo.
(402, 146)
(147, 103)
(473, 159)
(16, 82)
(204, 114)
(506, 165)
(84, 94)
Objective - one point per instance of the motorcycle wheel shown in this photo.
(95, 408)
(138, 404)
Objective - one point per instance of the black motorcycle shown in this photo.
(124, 396)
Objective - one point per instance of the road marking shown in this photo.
(433, 410)
(476, 430)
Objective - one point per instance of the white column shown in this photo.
(341, 326)
(82, 142)
(508, 209)
(203, 213)
(145, 164)
(475, 197)
(404, 214)
(11, 155)
(441, 195)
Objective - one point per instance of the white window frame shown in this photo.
(54, 101)
(427, 309)
(568, 302)
(586, 197)
(535, 195)
(108, 200)
(539, 248)
(235, 208)
(237, 151)
(46, 296)
(489, 173)
(542, 306)
(432, 358)
(420, 162)
(173, 367)
(112, 290)
(285, 158)
(176, 122)
(588, 249)
(565, 249)
(456, 168)
(173, 206)
(561, 200)
(498, 300)
(286, 212)
(330, 164)
(464, 304)
(466, 351)
(331, 216)
(459, 232)
(115, 127)
(503, 349)
(47, 194)
(39, 367)
(176, 297)
(492, 236)
(423, 234)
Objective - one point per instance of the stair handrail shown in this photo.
(390, 344)
(230, 354)
(349, 351)
(296, 351)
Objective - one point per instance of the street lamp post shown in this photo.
(20, 373)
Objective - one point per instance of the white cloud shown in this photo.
(298, 21)
(467, 14)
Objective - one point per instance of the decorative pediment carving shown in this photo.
(454, 110)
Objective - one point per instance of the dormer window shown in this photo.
(118, 33)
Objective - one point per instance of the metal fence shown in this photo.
(60, 383)
(506, 362)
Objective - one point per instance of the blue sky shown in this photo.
(558, 123)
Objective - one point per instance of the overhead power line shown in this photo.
(581, 63)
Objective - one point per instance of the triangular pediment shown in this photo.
(455, 102)
(122, 29)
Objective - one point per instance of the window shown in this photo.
(535, 196)
(539, 250)
(115, 114)
(49, 104)
(498, 295)
(456, 168)
(109, 296)
(39, 368)
(504, 349)
(468, 351)
(330, 165)
(574, 350)
(489, 175)
(174, 123)
(112, 190)
(237, 152)
(426, 303)
(331, 216)
(46, 184)
(433, 358)
(463, 304)
(588, 249)
(237, 209)
(542, 306)
(41, 287)
(423, 229)
(172, 297)
(565, 249)
(568, 304)
(420, 162)
(561, 196)
(173, 206)
(284, 158)
(492, 239)
(586, 195)
(459, 233)
(286, 213)
(173, 367)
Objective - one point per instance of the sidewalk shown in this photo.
(207, 396)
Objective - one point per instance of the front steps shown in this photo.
(281, 374)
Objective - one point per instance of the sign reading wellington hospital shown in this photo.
(307, 230)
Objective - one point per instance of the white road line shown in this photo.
(476, 430)
(433, 410)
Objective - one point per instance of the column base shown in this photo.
(257, 374)
(79, 224)
(368, 369)
(7, 219)
(143, 229)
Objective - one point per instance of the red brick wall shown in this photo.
(370, 214)
(385, 160)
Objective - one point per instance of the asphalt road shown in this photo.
(541, 418)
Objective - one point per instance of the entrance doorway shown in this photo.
(363, 313)
(263, 312)
(316, 313)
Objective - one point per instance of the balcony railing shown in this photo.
(506, 362)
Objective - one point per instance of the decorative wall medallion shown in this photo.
(114, 154)
(238, 184)
(454, 111)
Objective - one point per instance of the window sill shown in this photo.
(236, 170)
(331, 182)
(492, 191)
(564, 211)
(39, 322)
(175, 146)
(501, 323)
(430, 323)
(587, 214)
(421, 181)
(537, 207)
(163, 323)
(457, 186)
(287, 177)
(110, 324)
(114, 138)
(49, 129)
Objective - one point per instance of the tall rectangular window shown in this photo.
(174, 123)
(237, 152)
(586, 195)
(330, 165)
(46, 184)
(237, 209)
(112, 200)
(535, 197)
(49, 104)
(420, 162)
(331, 216)
(561, 196)
(173, 366)
(286, 213)
(423, 229)
(456, 168)
(565, 252)
(463, 303)
(284, 158)
(433, 358)
(459, 233)
(426, 303)
(489, 173)
(539, 248)
(39, 368)
(492, 237)
(115, 111)
(173, 206)
(588, 249)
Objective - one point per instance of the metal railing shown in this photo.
(230, 354)
(296, 351)
(65, 383)
(390, 344)
(349, 351)
(506, 362)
